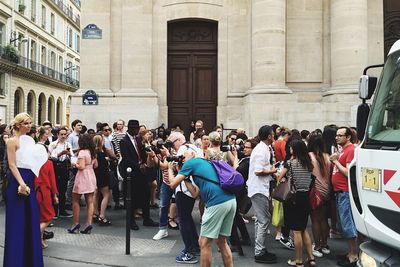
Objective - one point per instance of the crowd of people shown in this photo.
(175, 167)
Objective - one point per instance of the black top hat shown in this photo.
(133, 124)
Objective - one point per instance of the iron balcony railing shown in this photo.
(37, 67)
(68, 11)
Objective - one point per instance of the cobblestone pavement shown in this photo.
(105, 246)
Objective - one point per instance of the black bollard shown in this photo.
(128, 207)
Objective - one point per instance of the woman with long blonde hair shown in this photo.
(22, 232)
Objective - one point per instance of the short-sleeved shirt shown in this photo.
(212, 194)
(73, 140)
(260, 160)
(280, 150)
(339, 181)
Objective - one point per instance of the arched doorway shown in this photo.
(59, 112)
(391, 10)
(192, 72)
(18, 101)
(50, 109)
(42, 109)
(31, 105)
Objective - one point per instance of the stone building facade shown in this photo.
(240, 63)
(39, 58)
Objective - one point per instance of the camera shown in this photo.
(159, 143)
(226, 148)
(178, 159)
(150, 148)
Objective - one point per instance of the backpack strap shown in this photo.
(206, 179)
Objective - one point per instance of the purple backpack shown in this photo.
(230, 179)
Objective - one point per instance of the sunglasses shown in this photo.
(107, 130)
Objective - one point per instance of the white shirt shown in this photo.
(56, 147)
(259, 161)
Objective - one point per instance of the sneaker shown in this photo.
(64, 214)
(287, 243)
(55, 217)
(161, 234)
(317, 253)
(186, 258)
(278, 236)
(265, 258)
(326, 250)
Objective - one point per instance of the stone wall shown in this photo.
(296, 65)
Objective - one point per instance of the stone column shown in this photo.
(268, 49)
(116, 45)
(349, 44)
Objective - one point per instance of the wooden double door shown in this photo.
(192, 73)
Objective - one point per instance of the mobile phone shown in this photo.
(278, 164)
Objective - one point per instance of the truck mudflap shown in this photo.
(373, 254)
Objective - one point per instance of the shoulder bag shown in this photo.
(285, 192)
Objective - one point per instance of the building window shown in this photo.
(31, 105)
(2, 84)
(18, 101)
(59, 111)
(2, 34)
(32, 55)
(33, 10)
(52, 23)
(60, 65)
(43, 60)
(50, 109)
(42, 108)
(70, 38)
(78, 43)
(43, 17)
(21, 7)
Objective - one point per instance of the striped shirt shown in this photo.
(301, 176)
(116, 140)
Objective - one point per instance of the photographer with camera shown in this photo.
(220, 205)
(218, 152)
(184, 201)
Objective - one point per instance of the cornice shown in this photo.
(3, 12)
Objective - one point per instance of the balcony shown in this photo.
(68, 11)
(37, 67)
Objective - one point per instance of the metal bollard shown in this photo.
(128, 207)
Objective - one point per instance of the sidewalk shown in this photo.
(105, 246)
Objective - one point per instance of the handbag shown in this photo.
(277, 214)
(285, 192)
(316, 199)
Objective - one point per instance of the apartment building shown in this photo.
(39, 58)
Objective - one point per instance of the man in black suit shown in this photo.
(135, 157)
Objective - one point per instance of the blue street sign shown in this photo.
(90, 98)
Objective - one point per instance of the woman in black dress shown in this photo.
(299, 168)
(103, 181)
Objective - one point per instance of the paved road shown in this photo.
(106, 246)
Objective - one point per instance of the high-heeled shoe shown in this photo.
(75, 228)
(87, 230)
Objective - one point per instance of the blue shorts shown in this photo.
(345, 217)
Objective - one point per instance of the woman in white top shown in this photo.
(22, 232)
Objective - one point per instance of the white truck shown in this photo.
(374, 174)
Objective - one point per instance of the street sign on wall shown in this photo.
(90, 98)
(91, 31)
